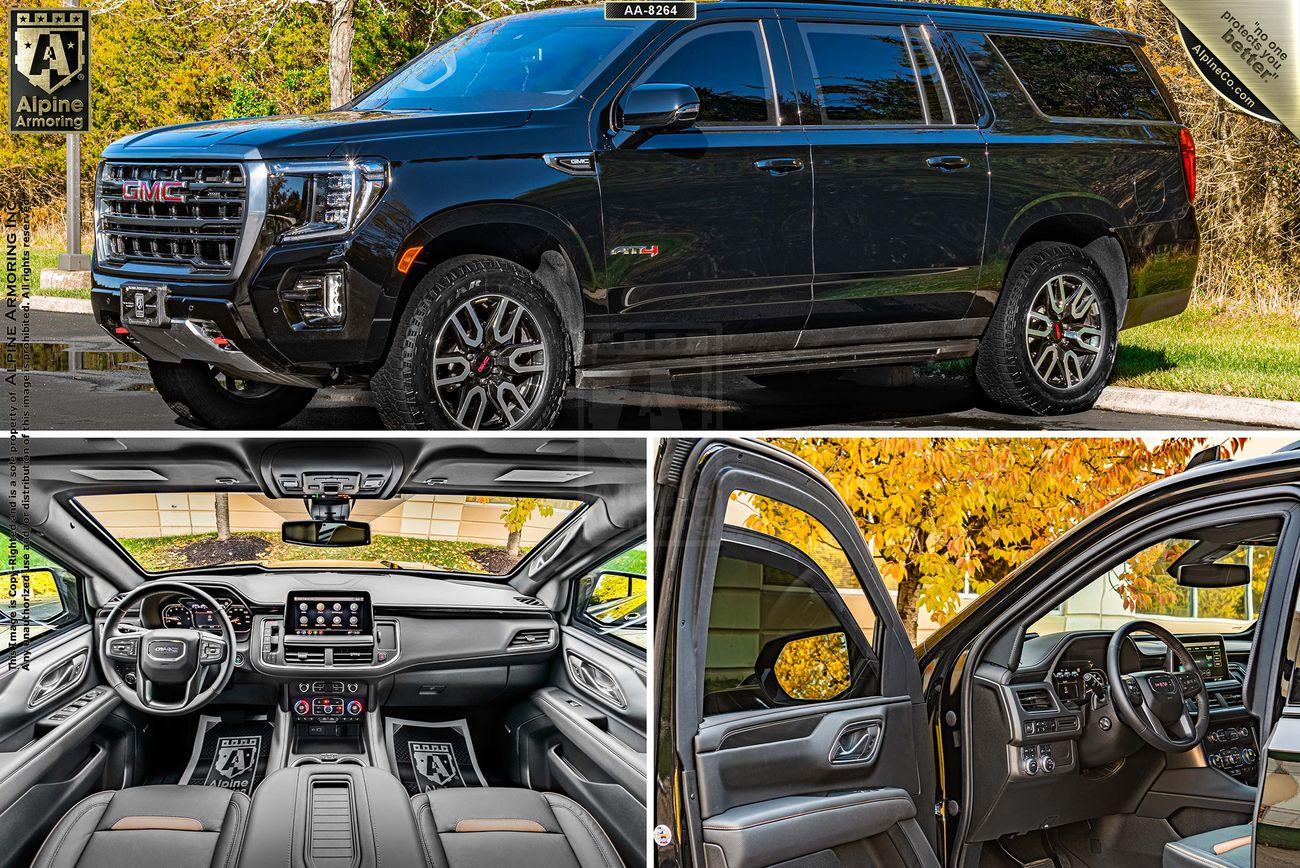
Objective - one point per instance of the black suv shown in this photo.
(552, 198)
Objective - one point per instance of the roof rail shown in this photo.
(943, 7)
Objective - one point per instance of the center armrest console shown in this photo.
(335, 816)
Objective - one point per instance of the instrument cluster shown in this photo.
(1079, 681)
(191, 613)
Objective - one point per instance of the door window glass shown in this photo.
(38, 595)
(727, 65)
(612, 598)
(865, 74)
(1073, 79)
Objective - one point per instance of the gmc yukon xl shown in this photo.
(552, 199)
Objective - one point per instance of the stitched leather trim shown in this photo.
(1243, 841)
(170, 824)
(502, 824)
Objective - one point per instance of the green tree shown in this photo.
(516, 516)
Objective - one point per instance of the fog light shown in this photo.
(315, 301)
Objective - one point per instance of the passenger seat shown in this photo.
(1219, 848)
(509, 828)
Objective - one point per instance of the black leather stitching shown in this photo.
(424, 845)
(582, 818)
(86, 805)
(237, 844)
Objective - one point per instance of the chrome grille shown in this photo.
(201, 233)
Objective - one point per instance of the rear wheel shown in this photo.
(480, 347)
(203, 395)
(1050, 346)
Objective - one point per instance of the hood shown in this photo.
(318, 135)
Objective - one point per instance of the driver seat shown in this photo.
(149, 827)
(1218, 848)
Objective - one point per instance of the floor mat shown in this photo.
(231, 754)
(432, 756)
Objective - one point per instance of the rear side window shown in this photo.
(727, 66)
(868, 74)
(1072, 79)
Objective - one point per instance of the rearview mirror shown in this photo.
(805, 667)
(326, 533)
(1213, 575)
(650, 107)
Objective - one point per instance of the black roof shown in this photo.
(937, 8)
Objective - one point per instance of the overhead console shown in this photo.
(328, 469)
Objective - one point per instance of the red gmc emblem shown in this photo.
(154, 191)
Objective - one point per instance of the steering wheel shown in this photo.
(174, 659)
(1154, 702)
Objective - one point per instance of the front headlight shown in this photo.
(321, 198)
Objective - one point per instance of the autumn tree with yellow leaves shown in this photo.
(941, 512)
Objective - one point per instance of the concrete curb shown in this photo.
(57, 304)
(1247, 412)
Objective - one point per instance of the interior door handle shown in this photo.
(596, 680)
(948, 163)
(58, 677)
(857, 743)
(779, 165)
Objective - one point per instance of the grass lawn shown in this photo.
(158, 554)
(1216, 353)
(48, 259)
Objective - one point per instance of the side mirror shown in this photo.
(326, 533)
(618, 599)
(650, 107)
(1213, 575)
(38, 592)
(805, 667)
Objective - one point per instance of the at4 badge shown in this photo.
(636, 250)
(49, 70)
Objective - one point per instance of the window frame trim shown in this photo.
(577, 611)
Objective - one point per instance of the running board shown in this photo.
(779, 361)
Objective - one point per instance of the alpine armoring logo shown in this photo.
(49, 70)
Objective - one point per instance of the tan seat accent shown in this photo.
(168, 824)
(1225, 846)
(499, 825)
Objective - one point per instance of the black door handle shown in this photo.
(948, 164)
(779, 165)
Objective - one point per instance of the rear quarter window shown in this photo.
(1075, 79)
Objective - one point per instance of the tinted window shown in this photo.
(863, 74)
(39, 596)
(612, 598)
(522, 62)
(1073, 79)
(725, 63)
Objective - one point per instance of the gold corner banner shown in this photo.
(1248, 51)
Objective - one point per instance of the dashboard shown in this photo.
(179, 611)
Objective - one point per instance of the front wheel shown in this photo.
(480, 347)
(1050, 346)
(201, 394)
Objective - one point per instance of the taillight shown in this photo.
(1187, 147)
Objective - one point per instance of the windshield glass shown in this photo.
(515, 63)
(468, 533)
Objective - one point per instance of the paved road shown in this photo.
(93, 383)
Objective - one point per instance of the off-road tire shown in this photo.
(402, 389)
(1003, 367)
(194, 396)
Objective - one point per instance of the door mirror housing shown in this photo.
(1213, 575)
(805, 667)
(650, 107)
(618, 598)
(320, 534)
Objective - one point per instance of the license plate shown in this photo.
(144, 304)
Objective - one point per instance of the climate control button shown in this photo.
(355, 707)
(302, 706)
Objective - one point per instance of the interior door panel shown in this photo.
(597, 705)
(49, 758)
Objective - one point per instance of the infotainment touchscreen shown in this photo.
(1210, 656)
(329, 614)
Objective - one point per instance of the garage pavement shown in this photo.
(88, 381)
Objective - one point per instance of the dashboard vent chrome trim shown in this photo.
(354, 655)
(1035, 699)
(532, 637)
(530, 601)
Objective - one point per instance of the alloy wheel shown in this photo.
(489, 363)
(1065, 332)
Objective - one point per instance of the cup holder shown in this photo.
(339, 760)
(305, 761)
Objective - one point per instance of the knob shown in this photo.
(355, 707)
(1048, 765)
(302, 706)
(1031, 766)
(352, 687)
(304, 687)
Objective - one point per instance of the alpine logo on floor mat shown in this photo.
(432, 756)
(230, 754)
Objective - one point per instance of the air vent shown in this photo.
(531, 601)
(353, 656)
(1035, 700)
(540, 638)
(304, 654)
(1230, 698)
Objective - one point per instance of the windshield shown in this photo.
(468, 533)
(515, 63)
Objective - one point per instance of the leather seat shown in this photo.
(149, 827)
(1218, 848)
(509, 828)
